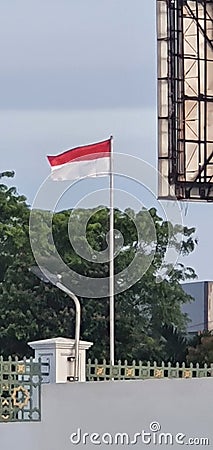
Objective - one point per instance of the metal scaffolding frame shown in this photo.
(185, 99)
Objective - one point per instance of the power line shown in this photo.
(198, 324)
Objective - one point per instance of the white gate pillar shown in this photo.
(59, 353)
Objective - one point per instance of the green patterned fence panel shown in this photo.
(139, 371)
(20, 390)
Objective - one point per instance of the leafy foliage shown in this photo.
(148, 318)
(201, 350)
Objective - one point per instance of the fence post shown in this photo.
(60, 354)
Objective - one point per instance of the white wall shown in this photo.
(179, 406)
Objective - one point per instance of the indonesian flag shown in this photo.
(87, 161)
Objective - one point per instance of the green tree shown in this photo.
(201, 349)
(175, 345)
(30, 310)
(14, 216)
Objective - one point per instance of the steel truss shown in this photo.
(185, 98)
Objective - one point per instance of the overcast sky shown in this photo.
(76, 71)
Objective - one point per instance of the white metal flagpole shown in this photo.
(111, 261)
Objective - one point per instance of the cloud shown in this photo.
(28, 136)
(77, 54)
(76, 89)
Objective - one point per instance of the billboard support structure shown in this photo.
(185, 99)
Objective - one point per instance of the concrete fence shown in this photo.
(151, 413)
(159, 412)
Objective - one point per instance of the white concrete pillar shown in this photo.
(60, 354)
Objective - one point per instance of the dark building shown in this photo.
(200, 311)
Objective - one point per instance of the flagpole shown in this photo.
(111, 261)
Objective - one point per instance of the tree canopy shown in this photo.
(201, 349)
(144, 314)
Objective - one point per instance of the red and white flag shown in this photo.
(87, 161)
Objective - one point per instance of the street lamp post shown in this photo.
(77, 324)
(48, 277)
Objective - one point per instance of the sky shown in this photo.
(75, 72)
